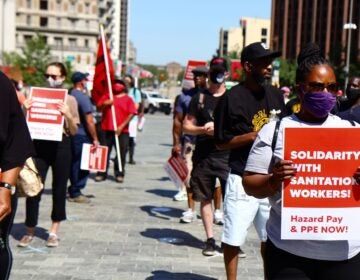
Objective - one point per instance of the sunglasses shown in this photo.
(54, 77)
(315, 87)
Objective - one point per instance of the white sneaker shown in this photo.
(188, 216)
(180, 196)
(218, 217)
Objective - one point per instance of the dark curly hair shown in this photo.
(309, 57)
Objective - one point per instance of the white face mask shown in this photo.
(55, 83)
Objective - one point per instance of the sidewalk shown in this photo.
(129, 230)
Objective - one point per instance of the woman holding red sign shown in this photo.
(266, 170)
(56, 155)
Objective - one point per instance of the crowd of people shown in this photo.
(232, 142)
(226, 139)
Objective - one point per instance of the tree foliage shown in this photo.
(287, 72)
(32, 61)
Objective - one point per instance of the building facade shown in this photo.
(251, 30)
(295, 23)
(7, 26)
(69, 27)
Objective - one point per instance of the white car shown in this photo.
(155, 102)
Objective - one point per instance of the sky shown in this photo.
(164, 31)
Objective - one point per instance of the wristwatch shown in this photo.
(8, 186)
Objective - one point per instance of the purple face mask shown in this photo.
(319, 103)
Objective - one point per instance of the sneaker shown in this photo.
(218, 217)
(99, 178)
(209, 249)
(119, 179)
(241, 254)
(188, 216)
(79, 199)
(131, 161)
(180, 196)
(25, 241)
(53, 240)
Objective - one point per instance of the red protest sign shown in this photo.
(188, 80)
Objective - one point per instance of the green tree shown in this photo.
(287, 72)
(33, 60)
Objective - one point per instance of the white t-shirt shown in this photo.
(259, 161)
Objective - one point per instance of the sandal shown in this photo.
(25, 240)
(53, 240)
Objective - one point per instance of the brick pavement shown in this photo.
(129, 230)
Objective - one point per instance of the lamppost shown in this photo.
(349, 26)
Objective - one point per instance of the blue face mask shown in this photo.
(319, 103)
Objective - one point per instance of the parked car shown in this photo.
(155, 102)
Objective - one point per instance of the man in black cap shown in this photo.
(240, 114)
(183, 144)
(209, 163)
(86, 134)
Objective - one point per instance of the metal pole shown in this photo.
(347, 70)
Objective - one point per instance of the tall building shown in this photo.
(251, 30)
(113, 15)
(7, 26)
(295, 23)
(70, 28)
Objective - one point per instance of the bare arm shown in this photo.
(190, 127)
(176, 133)
(238, 141)
(124, 124)
(265, 185)
(10, 177)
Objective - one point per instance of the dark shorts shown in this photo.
(203, 177)
(280, 264)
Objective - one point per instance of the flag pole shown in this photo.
(117, 147)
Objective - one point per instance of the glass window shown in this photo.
(72, 42)
(58, 41)
(28, 4)
(28, 20)
(263, 31)
(43, 5)
(43, 21)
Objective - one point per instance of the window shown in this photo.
(87, 24)
(28, 4)
(263, 40)
(28, 20)
(87, 8)
(43, 5)
(86, 43)
(58, 22)
(72, 42)
(72, 7)
(58, 41)
(263, 31)
(73, 23)
(58, 5)
(43, 21)
(27, 37)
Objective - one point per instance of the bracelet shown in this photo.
(8, 186)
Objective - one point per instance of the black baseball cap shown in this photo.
(257, 51)
(200, 70)
(218, 63)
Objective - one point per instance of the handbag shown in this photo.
(29, 182)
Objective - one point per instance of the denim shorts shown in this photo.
(240, 211)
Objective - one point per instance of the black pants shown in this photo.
(132, 145)
(109, 141)
(283, 265)
(5, 251)
(56, 155)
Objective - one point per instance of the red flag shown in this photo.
(100, 83)
(235, 70)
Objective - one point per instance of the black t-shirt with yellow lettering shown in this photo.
(241, 111)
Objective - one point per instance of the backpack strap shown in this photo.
(276, 132)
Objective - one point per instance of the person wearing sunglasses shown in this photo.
(56, 155)
(300, 259)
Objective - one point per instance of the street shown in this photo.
(129, 230)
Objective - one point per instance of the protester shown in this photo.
(184, 144)
(353, 100)
(286, 93)
(300, 259)
(240, 114)
(56, 155)
(15, 147)
(209, 163)
(135, 94)
(124, 111)
(86, 134)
